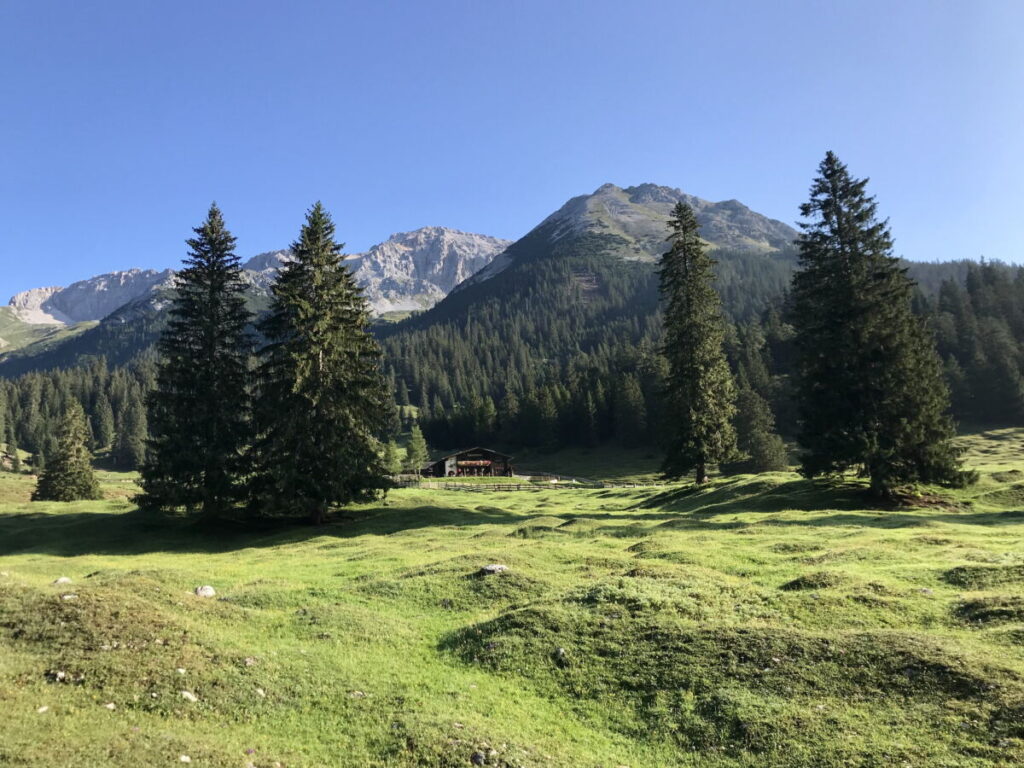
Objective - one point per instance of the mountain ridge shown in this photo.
(639, 216)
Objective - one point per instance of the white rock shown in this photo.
(261, 693)
(43, 709)
(91, 299)
(205, 591)
(62, 580)
(180, 670)
(184, 759)
(110, 705)
(493, 568)
(189, 696)
(69, 596)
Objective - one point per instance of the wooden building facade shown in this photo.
(472, 462)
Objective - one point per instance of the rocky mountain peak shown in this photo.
(91, 299)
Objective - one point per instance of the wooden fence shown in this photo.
(441, 485)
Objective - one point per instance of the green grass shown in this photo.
(761, 621)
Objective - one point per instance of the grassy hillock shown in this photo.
(761, 621)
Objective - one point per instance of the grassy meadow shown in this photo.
(760, 621)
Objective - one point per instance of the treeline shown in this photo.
(32, 408)
(603, 386)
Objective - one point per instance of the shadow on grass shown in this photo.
(136, 532)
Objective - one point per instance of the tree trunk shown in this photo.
(318, 515)
(701, 475)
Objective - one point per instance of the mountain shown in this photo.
(415, 270)
(637, 217)
(565, 315)
(409, 271)
(91, 299)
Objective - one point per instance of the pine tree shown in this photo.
(321, 401)
(416, 452)
(869, 383)
(630, 412)
(130, 444)
(755, 433)
(199, 413)
(103, 422)
(12, 448)
(700, 391)
(68, 475)
(392, 458)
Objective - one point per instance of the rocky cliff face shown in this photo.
(91, 299)
(415, 270)
(410, 270)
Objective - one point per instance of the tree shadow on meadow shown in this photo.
(137, 532)
(134, 532)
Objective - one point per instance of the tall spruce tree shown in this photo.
(869, 383)
(68, 475)
(198, 414)
(321, 400)
(700, 392)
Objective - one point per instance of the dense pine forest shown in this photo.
(575, 364)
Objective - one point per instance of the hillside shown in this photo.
(763, 621)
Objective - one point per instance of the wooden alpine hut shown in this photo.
(472, 462)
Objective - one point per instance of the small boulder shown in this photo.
(493, 568)
(205, 591)
(478, 758)
(62, 580)
(110, 705)
(189, 696)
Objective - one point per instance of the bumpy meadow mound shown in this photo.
(755, 695)
(123, 638)
(758, 621)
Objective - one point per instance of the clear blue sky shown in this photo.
(122, 119)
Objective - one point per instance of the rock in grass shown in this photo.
(43, 710)
(205, 591)
(189, 696)
(477, 758)
(184, 759)
(62, 580)
(493, 568)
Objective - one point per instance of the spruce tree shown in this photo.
(68, 475)
(103, 422)
(870, 391)
(392, 458)
(700, 392)
(198, 415)
(129, 451)
(321, 401)
(416, 453)
(755, 433)
(12, 448)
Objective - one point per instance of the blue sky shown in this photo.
(122, 119)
